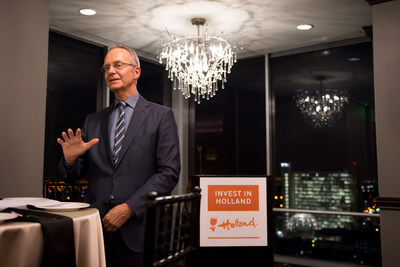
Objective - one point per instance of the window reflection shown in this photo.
(328, 168)
(325, 178)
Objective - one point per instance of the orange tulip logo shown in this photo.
(213, 222)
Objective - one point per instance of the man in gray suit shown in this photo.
(120, 177)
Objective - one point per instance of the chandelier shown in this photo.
(322, 108)
(195, 64)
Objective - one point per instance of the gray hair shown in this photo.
(134, 58)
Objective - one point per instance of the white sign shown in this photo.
(233, 211)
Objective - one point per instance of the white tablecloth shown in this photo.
(21, 243)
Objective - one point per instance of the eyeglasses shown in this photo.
(117, 65)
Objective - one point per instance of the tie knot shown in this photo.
(121, 105)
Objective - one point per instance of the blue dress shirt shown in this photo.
(130, 106)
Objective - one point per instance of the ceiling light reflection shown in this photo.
(87, 11)
(305, 27)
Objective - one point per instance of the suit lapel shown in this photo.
(105, 122)
(138, 117)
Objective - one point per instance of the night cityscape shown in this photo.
(332, 230)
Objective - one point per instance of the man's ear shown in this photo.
(137, 72)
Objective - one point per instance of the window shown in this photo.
(230, 127)
(326, 168)
(74, 82)
(75, 89)
(330, 171)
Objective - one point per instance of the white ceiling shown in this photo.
(262, 26)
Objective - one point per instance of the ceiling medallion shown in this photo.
(196, 64)
(322, 107)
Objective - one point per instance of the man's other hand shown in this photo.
(116, 217)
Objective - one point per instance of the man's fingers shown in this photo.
(69, 139)
(71, 133)
(92, 142)
(64, 135)
(110, 228)
(78, 133)
(60, 141)
(116, 217)
(108, 225)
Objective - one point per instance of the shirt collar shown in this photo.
(130, 101)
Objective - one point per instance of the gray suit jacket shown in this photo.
(149, 161)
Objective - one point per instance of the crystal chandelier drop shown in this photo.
(322, 108)
(195, 64)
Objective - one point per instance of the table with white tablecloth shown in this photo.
(22, 245)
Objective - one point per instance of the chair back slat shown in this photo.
(171, 228)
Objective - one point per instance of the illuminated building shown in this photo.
(327, 191)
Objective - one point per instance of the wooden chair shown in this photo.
(172, 228)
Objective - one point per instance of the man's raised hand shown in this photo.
(73, 145)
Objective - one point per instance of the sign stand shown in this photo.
(236, 225)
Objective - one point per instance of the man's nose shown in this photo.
(111, 69)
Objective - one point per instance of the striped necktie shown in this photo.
(119, 131)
